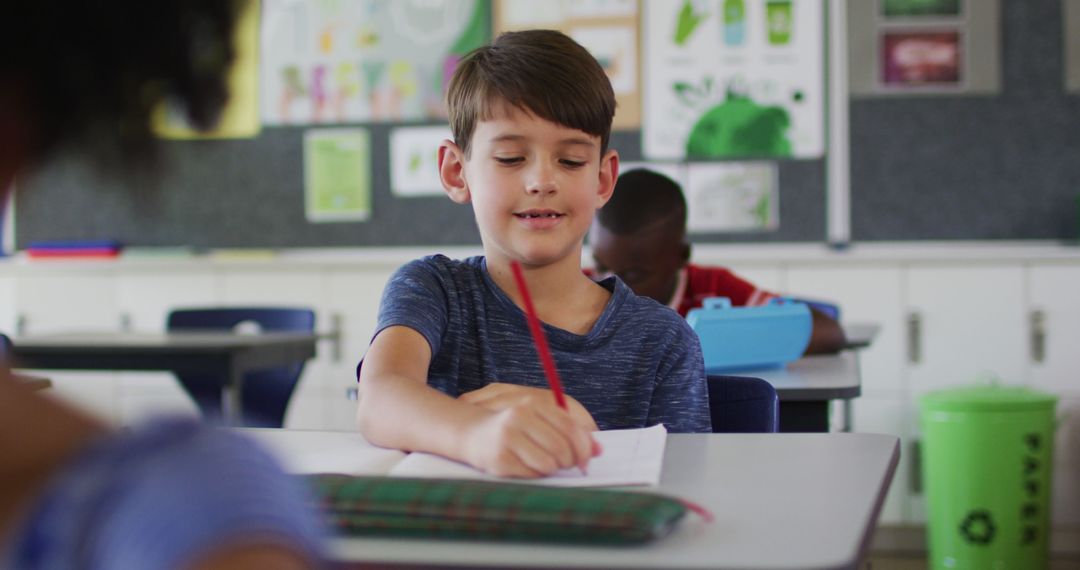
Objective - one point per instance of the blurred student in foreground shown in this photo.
(640, 235)
(74, 493)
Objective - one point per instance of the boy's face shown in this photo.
(647, 261)
(534, 185)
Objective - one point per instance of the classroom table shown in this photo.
(226, 354)
(860, 335)
(807, 385)
(780, 501)
(33, 382)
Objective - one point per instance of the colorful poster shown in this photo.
(607, 28)
(240, 117)
(734, 79)
(329, 61)
(337, 175)
(414, 160)
(920, 58)
(731, 197)
(615, 47)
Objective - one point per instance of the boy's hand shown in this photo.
(499, 396)
(528, 440)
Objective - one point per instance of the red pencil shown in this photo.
(539, 339)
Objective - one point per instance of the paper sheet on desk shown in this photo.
(331, 452)
(628, 457)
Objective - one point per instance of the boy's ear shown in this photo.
(609, 174)
(452, 172)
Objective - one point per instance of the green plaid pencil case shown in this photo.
(485, 510)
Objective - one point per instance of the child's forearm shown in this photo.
(826, 335)
(400, 413)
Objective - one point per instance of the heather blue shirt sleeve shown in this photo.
(416, 297)
(639, 365)
(681, 388)
(159, 497)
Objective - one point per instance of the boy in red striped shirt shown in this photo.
(640, 235)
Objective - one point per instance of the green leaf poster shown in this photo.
(729, 79)
(337, 175)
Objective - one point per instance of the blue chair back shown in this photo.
(740, 404)
(5, 350)
(266, 393)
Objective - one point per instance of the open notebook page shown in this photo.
(629, 457)
(327, 452)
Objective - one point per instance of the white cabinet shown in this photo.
(293, 286)
(65, 300)
(965, 323)
(145, 295)
(1054, 328)
(1054, 345)
(8, 310)
(353, 297)
(865, 295)
(72, 296)
(891, 416)
(870, 295)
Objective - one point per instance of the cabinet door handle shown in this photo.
(915, 482)
(21, 324)
(914, 336)
(1037, 321)
(125, 322)
(337, 321)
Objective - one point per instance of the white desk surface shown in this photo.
(812, 378)
(781, 501)
(861, 335)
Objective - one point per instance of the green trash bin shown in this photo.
(986, 468)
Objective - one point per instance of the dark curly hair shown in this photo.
(91, 73)
(642, 198)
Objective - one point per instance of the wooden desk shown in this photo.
(781, 501)
(225, 354)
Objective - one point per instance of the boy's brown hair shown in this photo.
(543, 72)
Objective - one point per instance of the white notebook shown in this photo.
(628, 457)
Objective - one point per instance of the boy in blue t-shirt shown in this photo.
(452, 369)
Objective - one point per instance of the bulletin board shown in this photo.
(929, 166)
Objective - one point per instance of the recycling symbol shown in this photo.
(978, 527)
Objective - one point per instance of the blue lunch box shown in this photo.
(750, 337)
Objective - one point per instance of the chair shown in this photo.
(266, 392)
(739, 404)
(5, 347)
